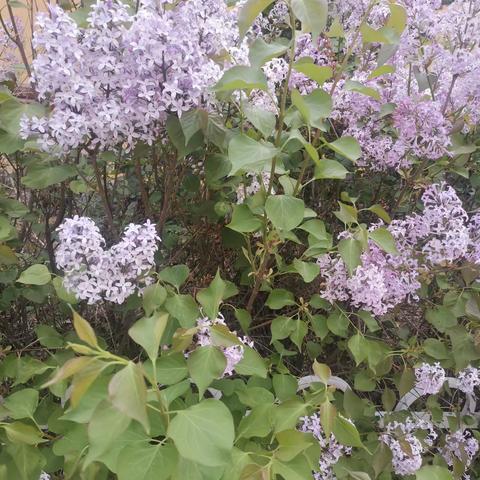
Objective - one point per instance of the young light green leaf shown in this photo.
(204, 433)
(35, 275)
(346, 433)
(249, 12)
(312, 13)
(284, 211)
(384, 239)
(148, 331)
(22, 404)
(350, 251)
(330, 169)
(317, 73)
(242, 77)
(247, 155)
(128, 393)
(261, 52)
(84, 330)
(243, 220)
(175, 275)
(205, 364)
(348, 147)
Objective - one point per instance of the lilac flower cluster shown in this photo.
(115, 81)
(95, 274)
(468, 380)
(257, 182)
(429, 378)
(460, 446)
(431, 90)
(441, 235)
(331, 450)
(382, 280)
(233, 353)
(406, 448)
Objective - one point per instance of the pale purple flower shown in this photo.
(331, 450)
(233, 353)
(95, 274)
(468, 380)
(429, 378)
(460, 446)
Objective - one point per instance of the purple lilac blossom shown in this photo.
(331, 450)
(468, 380)
(429, 378)
(115, 81)
(459, 446)
(406, 461)
(95, 274)
(233, 353)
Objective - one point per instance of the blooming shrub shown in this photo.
(240, 240)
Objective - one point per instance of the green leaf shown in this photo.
(291, 443)
(262, 120)
(346, 433)
(328, 413)
(258, 423)
(153, 297)
(358, 346)
(398, 18)
(330, 169)
(354, 86)
(350, 250)
(315, 72)
(281, 327)
(434, 472)
(298, 333)
(347, 213)
(337, 323)
(22, 404)
(314, 107)
(249, 12)
(144, 461)
(248, 155)
(205, 364)
(243, 220)
(441, 318)
(312, 13)
(204, 433)
(242, 77)
(285, 386)
(348, 147)
(43, 177)
(148, 331)
(384, 239)
(251, 363)
(309, 271)
(84, 330)
(10, 143)
(279, 298)
(261, 52)
(287, 414)
(106, 426)
(380, 212)
(183, 308)
(128, 393)
(19, 432)
(171, 368)
(383, 70)
(284, 211)
(211, 297)
(436, 349)
(35, 275)
(49, 337)
(175, 275)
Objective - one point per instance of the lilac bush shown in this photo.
(261, 220)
